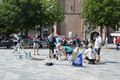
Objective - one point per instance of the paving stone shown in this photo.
(13, 68)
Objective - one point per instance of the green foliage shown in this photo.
(52, 11)
(26, 14)
(102, 12)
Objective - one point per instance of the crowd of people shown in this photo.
(67, 46)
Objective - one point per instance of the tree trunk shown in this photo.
(26, 33)
(117, 28)
(101, 31)
(40, 31)
(108, 34)
(52, 30)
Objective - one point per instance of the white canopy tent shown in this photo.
(116, 34)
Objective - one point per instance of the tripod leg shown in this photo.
(15, 49)
(18, 50)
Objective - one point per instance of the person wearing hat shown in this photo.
(89, 54)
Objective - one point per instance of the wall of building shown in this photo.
(73, 24)
(73, 6)
(73, 21)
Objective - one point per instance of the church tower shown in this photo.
(73, 21)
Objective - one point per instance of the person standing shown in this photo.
(117, 42)
(36, 45)
(51, 41)
(58, 40)
(97, 46)
(76, 41)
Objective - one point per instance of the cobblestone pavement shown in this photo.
(13, 68)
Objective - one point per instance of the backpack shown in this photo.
(49, 64)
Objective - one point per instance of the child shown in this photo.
(90, 55)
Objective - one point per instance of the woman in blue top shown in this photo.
(67, 50)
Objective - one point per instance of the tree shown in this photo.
(26, 14)
(102, 12)
(6, 16)
(21, 14)
(52, 11)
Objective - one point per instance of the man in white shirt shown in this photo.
(97, 46)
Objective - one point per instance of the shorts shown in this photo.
(51, 46)
(97, 50)
(69, 52)
(35, 45)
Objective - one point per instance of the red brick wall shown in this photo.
(72, 22)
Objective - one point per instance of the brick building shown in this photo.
(73, 21)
